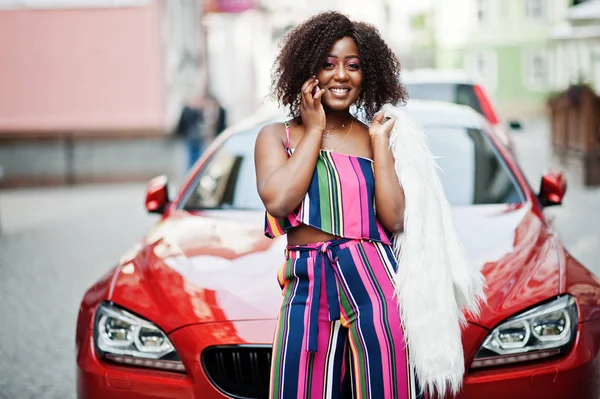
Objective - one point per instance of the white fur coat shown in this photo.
(435, 279)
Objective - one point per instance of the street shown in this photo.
(577, 220)
(56, 242)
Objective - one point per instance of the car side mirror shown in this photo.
(157, 195)
(515, 125)
(552, 188)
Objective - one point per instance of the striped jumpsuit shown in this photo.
(339, 318)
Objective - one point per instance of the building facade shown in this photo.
(80, 79)
(111, 65)
(509, 48)
(505, 43)
(576, 47)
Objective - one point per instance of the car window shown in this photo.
(228, 179)
(463, 94)
(470, 169)
(432, 91)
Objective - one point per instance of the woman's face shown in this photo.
(341, 75)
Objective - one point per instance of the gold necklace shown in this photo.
(341, 142)
(328, 131)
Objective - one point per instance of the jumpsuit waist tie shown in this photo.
(325, 261)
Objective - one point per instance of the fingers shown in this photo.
(378, 118)
(378, 128)
(309, 99)
(388, 125)
(318, 95)
(309, 85)
(390, 121)
(376, 123)
(311, 89)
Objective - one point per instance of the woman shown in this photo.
(328, 182)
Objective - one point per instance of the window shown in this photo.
(470, 169)
(483, 10)
(471, 172)
(463, 94)
(537, 70)
(432, 91)
(535, 9)
(485, 66)
(228, 179)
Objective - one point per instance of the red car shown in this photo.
(189, 312)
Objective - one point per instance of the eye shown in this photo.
(329, 63)
(353, 64)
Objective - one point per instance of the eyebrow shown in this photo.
(349, 56)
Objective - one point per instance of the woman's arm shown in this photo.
(282, 182)
(389, 196)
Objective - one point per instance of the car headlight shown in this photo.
(124, 338)
(544, 331)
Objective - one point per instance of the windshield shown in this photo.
(462, 94)
(470, 170)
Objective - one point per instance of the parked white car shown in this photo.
(459, 87)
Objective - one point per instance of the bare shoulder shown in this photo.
(361, 126)
(362, 129)
(275, 128)
(272, 133)
(273, 137)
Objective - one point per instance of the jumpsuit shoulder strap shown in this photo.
(287, 135)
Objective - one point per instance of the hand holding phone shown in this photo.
(311, 109)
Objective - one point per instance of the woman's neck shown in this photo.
(337, 118)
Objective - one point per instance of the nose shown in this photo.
(341, 73)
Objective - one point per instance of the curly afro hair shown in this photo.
(305, 47)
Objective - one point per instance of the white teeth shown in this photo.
(340, 91)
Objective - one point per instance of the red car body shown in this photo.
(208, 280)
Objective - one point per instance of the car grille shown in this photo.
(240, 371)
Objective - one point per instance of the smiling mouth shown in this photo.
(339, 92)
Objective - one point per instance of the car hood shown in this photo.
(218, 265)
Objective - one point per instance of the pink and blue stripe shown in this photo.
(340, 200)
(353, 318)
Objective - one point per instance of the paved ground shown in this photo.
(57, 242)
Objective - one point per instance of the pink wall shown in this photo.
(84, 69)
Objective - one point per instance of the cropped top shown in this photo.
(340, 199)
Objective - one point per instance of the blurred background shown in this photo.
(91, 90)
(97, 96)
